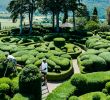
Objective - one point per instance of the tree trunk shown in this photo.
(65, 15)
(74, 23)
(57, 22)
(31, 20)
(53, 21)
(21, 25)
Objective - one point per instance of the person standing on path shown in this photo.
(44, 69)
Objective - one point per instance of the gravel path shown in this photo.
(75, 66)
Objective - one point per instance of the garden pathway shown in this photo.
(53, 85)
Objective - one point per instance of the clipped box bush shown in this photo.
(106, 57)
(70, 48)
(41, 55)
(15, 85)
(62, 75)
(80, 81)
(73, 98)
(59, 42)
(51, 63)
(38, 63)
(4, 88)
(19, 96)
(107, 86)
(64, 63)
(30, 79)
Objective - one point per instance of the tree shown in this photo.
(45, 7)
(94, 17)
(54, 7)
(15, 7)
(73, 6)
(82, 11)
(65, 10)
(31, 6)
(95, 12)
(108, 15)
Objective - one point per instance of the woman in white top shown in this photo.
(44, 68)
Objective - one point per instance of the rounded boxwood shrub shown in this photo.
(4, 88)
(30, 79)
(70, 48)
(107, 86)
(106, 57)
(79, 81)
(31, 60)
(56, 53)
(104, 91)
(59, 42)
(66, 56)
(40, 55)
(73, 98)
(108, 97)
(98, 63)
(96, 96)
(87, 63)
(5, 80)
(38, 63)
(15, 85)
(19, 96)
(64, 63)
(41, 49)
(51, 63)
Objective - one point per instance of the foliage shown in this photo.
(62, 92)
(105, 56)
(30, 79)
(107, 86)
(79, 81)
(19, 96)
(15, 85)
(59, 42)
(4, 88)
(73, 98)
(91, 26)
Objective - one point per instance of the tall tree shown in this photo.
(65, 10)
(31, 6)
(95, 12)
(108, 15)
(73, 6)
(15, 7)
(94, 17)
(55, 7)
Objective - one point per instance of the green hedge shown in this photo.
(62, 92)
(106, 57)
(90, 63)
(64, 63)
(60, 76)
(93, 96)
(19, 96)
(30, 79)
(59, 42)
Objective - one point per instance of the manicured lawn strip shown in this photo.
(62, 92)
